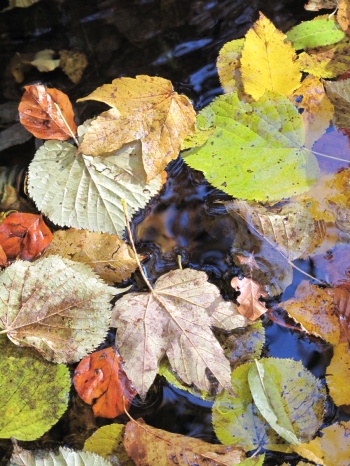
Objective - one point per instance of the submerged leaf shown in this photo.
(338, 375)
(315, 33)
(55, 305)
(33, 393)
(175, 319)
(250, 305)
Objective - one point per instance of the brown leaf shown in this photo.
(148, 446)
(73, 64)
(39, 115)
(315, 5)
(343, 15)
(250, 306)
(101, 382)
(24, 236)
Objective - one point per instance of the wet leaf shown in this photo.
(24, 236)
(238, 421)
(62, 457)
(107, 442)
(315, 33)
(250, 305)
(314, 308)
(331, 448)
(338, 374)
(316, 5)
(80, 191)
(73, 64)
(339, 94)
(235, 139)
(175, 319)
(39, 115)
(19, 4)
(343, 15)
(268, 61)
(45, 62)
(100, 381)
(229, 66)
(149, 446)
(147, 109)
(57, 306)
(33, 392)
(110, 257)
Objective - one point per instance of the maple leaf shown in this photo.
(147, 109)
(249, 304)
(47, 113)
(268, 62)
(24, 236)
(99, 380)
(175, 319)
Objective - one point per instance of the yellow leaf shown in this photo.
(147, 109)
(318, 109)
(73, 64)
(338, 375)
(268, 62)
(343, 15)
(228, 65)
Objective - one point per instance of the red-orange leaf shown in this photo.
(249, 304)
(100, 380)
(24, 235)
(39, 114)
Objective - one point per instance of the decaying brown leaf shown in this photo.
(343, 15)
(73, 64)
(249, 304)
(316, 5)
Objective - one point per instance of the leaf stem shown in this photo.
(329, 156)
(66, 123)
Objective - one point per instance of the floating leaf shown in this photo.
(33, 393)
(55, 305)
(175, 319)
(45, 62)
(315, 33)
(64, 457)
(316, 5)
(339, 94)
(235, 139)
(149, 446)
(343, 15)
(85, 192)
(268, 62)
(238, 421)
(19, 4)
(228, 65)
(250, 292)
(39, 114)
(110, 257)
(338, 374)
(107, 442)
(147, 109)
(99, 380)
(24, 235)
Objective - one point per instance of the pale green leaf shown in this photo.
(241, 147)
(85, 192)
(64, 457)
(33, 392)
(55, 305)
(315, 33)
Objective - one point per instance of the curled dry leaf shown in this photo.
(24, 236)
(148, 446)
(101, 382)
(251, 291)
(39, 114)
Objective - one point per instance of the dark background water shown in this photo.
(178, 40)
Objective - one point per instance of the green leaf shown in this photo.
(64, 457)
(33, 392)
(85, 192)
(267, 398)
(55, 305)
(241, 147)
(238, 420)
(315, 33)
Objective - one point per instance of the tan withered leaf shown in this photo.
(147, 109)
(339, 94)
(343, 15)
(176, 320)
(147, 446)
(109, 256)
(315, 5)
(249, 304)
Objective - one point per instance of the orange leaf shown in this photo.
(250, 306)
(39, 115)
(101, 382)
(3, 257)
(24, 235)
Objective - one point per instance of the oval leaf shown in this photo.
(315, 33)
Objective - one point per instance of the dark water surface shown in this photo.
(178, 40)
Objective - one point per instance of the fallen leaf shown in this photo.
(100, 381)
(338, 375)
(318, 32)
(339, 94)
(43, 61)
(250, 293)
(343, 15)
(268, 61)
(24, 236)
(3, 258)
(59, 307)
(148, 446)
(34, 393)
(39, 115)
(19, 4)
(147, 109)
(73, 64)
(175, 319)
(229, 66)
(315, 5)
(109, 256)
